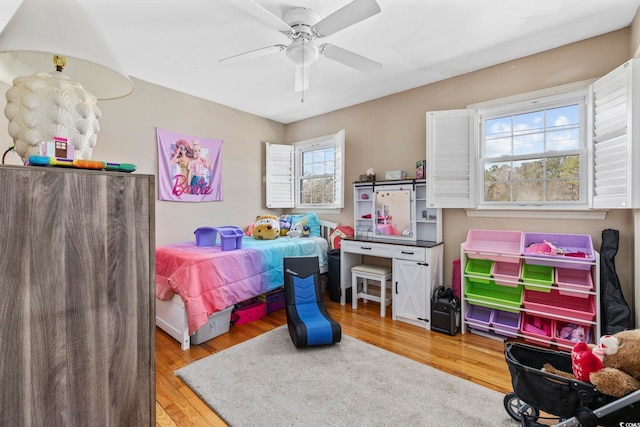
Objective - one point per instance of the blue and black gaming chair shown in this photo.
(307, 317)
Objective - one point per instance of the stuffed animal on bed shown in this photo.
(296, 230)
(266, 227)
(299, 229)
(285, 224)
(613, 366)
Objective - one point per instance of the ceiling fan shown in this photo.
(302, 26)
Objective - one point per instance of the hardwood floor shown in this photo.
(468, 356)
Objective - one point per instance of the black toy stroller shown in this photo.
(569, 401)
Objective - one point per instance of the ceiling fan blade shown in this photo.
(354, 12)
(264, 15)
(302, 78)
(253, 54)
(349, 58)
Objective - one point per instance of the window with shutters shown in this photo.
(524, 152)
(306, 175)
(566, 148)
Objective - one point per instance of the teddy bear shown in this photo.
(266, 227)
(613, 366)
(621, 372)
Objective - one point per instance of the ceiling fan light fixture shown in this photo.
(302, 53)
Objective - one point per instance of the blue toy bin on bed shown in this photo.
(230, 237)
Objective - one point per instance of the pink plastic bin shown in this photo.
(537, 328)
(563, 340)
(533, 248)
(575, 283)
(495, 245)
(248, 313)
(507, 273)
(554, 304)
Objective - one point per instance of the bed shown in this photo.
(193, 282)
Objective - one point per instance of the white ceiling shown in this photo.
(177, 44)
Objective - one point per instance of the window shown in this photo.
(307, 174)
(518, 153)
(533, 153)
(316, 179)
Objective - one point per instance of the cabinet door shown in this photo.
(78, 298)
(411, 302)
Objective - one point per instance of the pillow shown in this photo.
(310, 219)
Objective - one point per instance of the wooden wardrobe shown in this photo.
(77, 313)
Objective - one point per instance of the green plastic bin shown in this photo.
(537, 277)
(490, 295)
(480, 268)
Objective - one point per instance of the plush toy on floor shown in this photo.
(613, 366)
(266, 227)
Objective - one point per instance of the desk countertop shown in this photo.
(418, 243)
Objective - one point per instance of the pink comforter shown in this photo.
(209, 279)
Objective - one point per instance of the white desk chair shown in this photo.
(376, 273)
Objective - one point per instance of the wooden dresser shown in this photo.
(77, 313)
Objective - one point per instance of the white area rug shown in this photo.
(266, 381)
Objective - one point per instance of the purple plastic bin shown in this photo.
(495, 245)
(478, 317)
(505, 323)
(205, 236)
(230, 237)
(571, 243)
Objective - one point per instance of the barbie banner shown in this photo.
(189, 168)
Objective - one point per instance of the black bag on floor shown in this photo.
(616, 315)
(445, 311)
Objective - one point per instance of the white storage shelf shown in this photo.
(482, 328)
(363, 197)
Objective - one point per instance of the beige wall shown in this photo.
(384, 134)
(128, 135)
(389, 133)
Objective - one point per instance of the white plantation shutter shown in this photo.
(616, 158)
(451, 159)
(280, 176)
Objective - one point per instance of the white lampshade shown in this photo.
(42, 28)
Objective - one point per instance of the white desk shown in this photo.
(416, 270)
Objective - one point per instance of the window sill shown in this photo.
(592, 214)
(318, 211)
